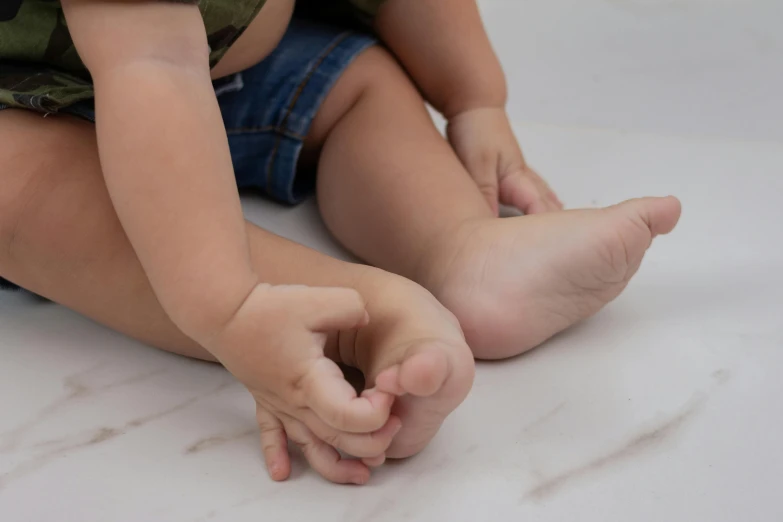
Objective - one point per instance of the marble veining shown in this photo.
(639, 443)
(43, 452)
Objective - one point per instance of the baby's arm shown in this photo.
(167, 167)
(165, 155)
(444, 47)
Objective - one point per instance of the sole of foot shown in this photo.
(513, 283)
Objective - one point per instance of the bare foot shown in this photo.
(413, 348)
(514, 283)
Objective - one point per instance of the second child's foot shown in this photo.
(514, 283)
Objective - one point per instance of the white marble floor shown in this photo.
(667, 406)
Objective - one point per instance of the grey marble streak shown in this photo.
(644, 441)
(215, 441)
(77, 389)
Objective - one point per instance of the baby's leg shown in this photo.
(60, 237)
(391, 189)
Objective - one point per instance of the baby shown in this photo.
(135, 221)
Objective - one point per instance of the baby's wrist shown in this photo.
(467, 96)
(476, 109)
(205, 322)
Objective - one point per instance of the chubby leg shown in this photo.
(60, 237)
(392, 191)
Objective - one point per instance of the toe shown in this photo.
(422, 372)
(425, 369)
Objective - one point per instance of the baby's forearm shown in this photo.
(168, 170)
(445, 49)
(165, 155)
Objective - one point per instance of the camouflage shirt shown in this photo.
(41, 70)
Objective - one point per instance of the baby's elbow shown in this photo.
(109, 35)
(191, 58)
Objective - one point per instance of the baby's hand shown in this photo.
(275, 346)
(485, 143)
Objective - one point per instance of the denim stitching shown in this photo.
(259, 130)
(300, 89)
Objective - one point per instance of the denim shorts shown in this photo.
(268, 109)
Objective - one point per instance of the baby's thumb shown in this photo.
(491, 195)
(333, 309)
(485, 176)
(519, 191)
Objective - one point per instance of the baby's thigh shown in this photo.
(38, 156)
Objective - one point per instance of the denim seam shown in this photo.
(238, 131)
(300, 89)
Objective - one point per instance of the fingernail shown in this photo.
(366, 317)
(397, 429)
(361, 480)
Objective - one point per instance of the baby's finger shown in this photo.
(521, 192)
(326, 460)
(332, 399)
(389, 381)
(545, 190)
(274, 443)
(363, 445)
(487, 181)
(552, 202)
(374, 462)
(333, 309)
(484, 174)
(549, 200)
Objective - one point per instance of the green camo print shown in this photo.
(41, 70)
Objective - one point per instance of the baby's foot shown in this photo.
(413, 348)
(514, 283)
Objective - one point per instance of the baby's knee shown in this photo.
(374, 75)
(377, 70)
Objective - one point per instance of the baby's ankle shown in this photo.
(432, 269)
